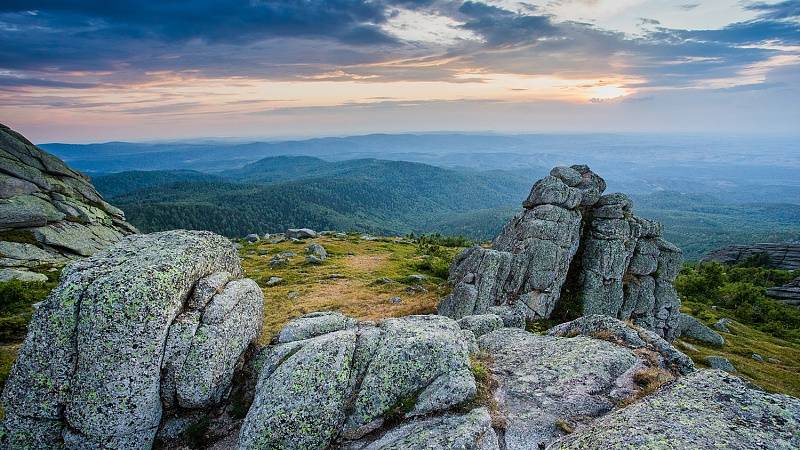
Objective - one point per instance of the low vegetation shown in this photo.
(779, 367)
(365, 279)
(738, 293)
(764, 343)
(16, 307)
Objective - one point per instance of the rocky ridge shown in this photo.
(775, 255)
(789, 293)
(49, 213)
(571, 245)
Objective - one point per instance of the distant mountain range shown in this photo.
(396, 197)
(278, 193)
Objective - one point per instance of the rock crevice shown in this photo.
(115, 344)
(570, 240)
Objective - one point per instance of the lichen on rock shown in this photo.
(57, 208)
(571, 238)
(91, 365)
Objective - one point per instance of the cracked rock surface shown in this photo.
(347, 385)
(550, 384)
(49, 213)
(706, 409)
(572, 244)
(119, 340)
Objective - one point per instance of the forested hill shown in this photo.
(121, 183)
(365, 195)
(395, 197)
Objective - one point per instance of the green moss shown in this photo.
(195, 434)
(540, 326)
(21, 236)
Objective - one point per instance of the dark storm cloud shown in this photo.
(237, 21)
(500, 26)
(50, 43)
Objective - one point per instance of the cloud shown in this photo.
(782, 10)
(502, 27)
(7, 81)
(119, 47)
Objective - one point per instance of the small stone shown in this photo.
(317, 250)
(300, 233)
(314, 260)
(415, 289)
(274, 281)
(277, 262)
(692, 328)
(21, 275)
(757, 357)
(722, 325)
(293, 294)
(395, 300)
(252, 238)
(718, 362)
(416, 278)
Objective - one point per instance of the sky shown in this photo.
(92, 70)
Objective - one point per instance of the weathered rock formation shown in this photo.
(333, 382)
(571, 241)
(330, 380)
(706, 409)
(789, 293)
(690, 327)
(154, 323)
(548, 385)
(49, 213)
(776, 256)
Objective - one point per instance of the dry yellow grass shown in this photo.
(349, 281)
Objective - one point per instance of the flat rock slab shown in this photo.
(707, 409)
(545, 380)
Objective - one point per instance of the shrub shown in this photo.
(740, 291)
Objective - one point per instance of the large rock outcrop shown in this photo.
(155, 322)
(706, 409)
(49, 213)
(572, 241)
(789, 293)
(332, 381)
(548, 385)
(403, 384)
(784, 256)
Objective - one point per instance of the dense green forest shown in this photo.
(121, 183)
(394, 197)
(363, 195)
